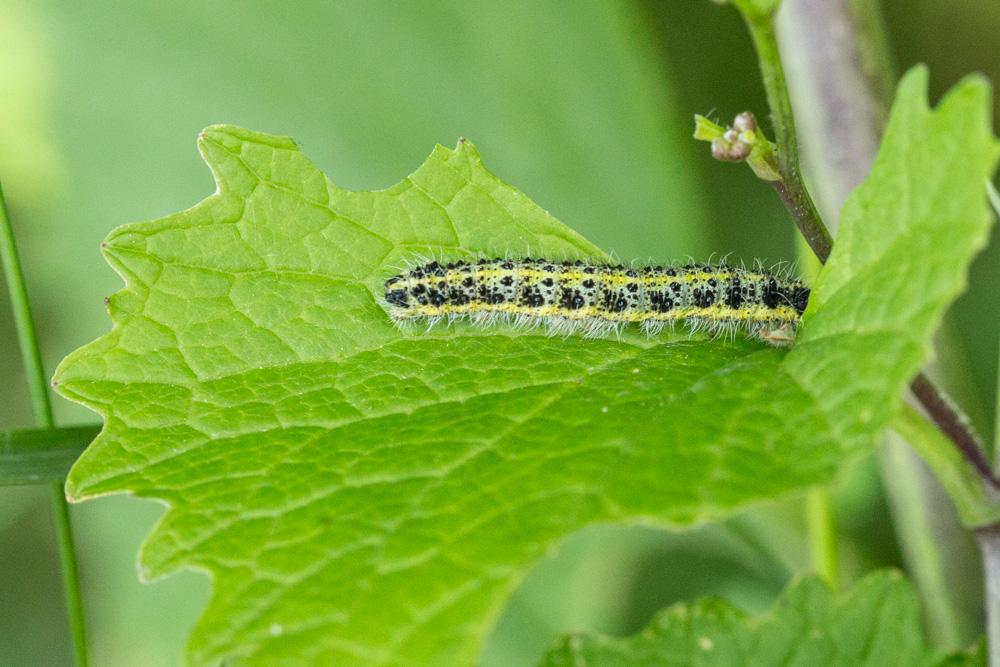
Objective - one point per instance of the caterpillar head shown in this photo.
(800, 298)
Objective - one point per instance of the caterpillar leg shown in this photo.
(781, 335)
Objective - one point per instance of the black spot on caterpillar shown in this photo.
(598, 299)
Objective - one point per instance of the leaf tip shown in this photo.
(755, 9)
(71, 488)
(975, 84)
(56, 380)
(143, 573)
(914, 84)
(228, 135)
(465, 147)
(973, 91)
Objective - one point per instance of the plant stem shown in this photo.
(42, 407)
(989, 545)
(41, 455)
(790, 188)
(70, 572)
(822, 536)
(953, 425)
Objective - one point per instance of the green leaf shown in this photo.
(33, 456)
(887, 267)
(877, 622)
(370, 496)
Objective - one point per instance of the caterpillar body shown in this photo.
(598, 299)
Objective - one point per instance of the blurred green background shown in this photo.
(585, 106)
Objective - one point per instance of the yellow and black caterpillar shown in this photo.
(597, 299)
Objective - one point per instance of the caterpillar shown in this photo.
(597, 299)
